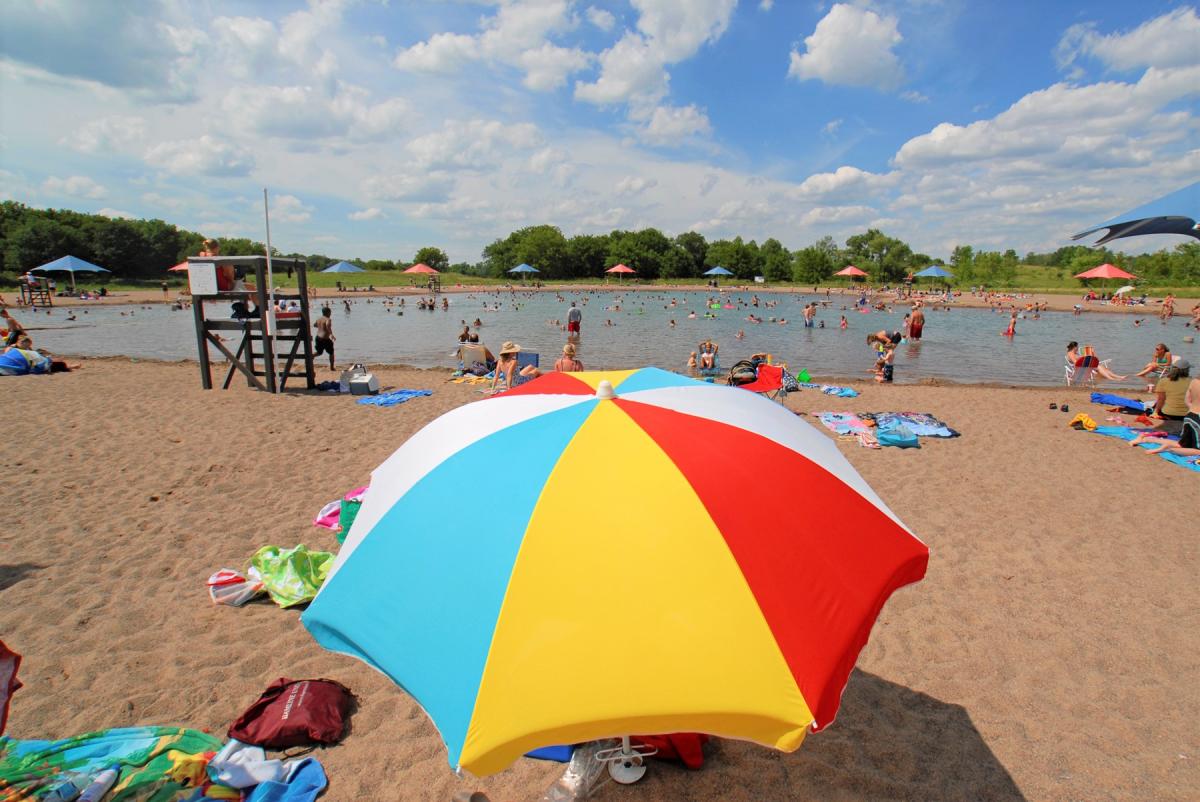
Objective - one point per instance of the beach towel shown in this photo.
(842, 422)
(830, 389)
(557, 754)
(10, 661)
(291, 576)
(19, 362)
(1126, 404)
(393, 398)
(1126, 433)
(163, 764)
(304, 783)
(921, 424)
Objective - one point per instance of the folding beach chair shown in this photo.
(770, 382)
(470, 353)
(1083, 371)
(524, 359)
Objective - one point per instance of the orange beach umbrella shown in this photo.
(850, 270)
(421, 267)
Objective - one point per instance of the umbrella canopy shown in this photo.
(685, 606)
(718, 271)
(1105, 271)
(343, 267)
(933, 271)
(421, 267)
(1176, 213)
(524, 268)
(620, 269)
(1125, 289)
(179, 268)
(70, 264)
(850, 270)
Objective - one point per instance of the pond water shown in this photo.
(963, 345)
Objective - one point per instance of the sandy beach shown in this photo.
(1050, 654)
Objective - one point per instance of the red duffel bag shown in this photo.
(296, 712)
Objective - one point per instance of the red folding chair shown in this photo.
(769, 382)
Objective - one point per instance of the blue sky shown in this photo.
(382, 127)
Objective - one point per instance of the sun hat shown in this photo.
(509, 347)
(569, 349)
(1182, 365)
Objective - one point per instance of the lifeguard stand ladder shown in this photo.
(435, 284)
(35, 295)
(288, 328)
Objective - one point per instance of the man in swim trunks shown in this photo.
(324, 339)
(917, 324)
(574, 319)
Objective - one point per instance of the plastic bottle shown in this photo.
(101, 785)
(68, 789)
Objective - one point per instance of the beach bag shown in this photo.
(743, 373)
(10, 661)
(351, 373)
(898, 436)
(296, 712)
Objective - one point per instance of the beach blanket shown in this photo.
(1131, 404)
(921, 424)
(290, 576)
(304, 783)
(19, 362)
(830, 389)
(393, 398)
(10, 661)
(162, 764)
(1127, 433)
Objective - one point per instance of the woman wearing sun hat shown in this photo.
(567, 363)
(506, 364)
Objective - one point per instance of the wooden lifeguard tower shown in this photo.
(31, 294)
(223, 279)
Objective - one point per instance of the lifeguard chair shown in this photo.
(214, 279)
(35, 293)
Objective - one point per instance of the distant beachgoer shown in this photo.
(325, 339)
(691, 363)
(15, 329)
(1171, 403)
(1158, 365)
(843, 325)
(917, 324)
(708, 354)
(574, 318)
(1101, 370)
(886, 365)
(1011, 331)
(810, 310)
(476, 324)
(567, 363)
(464, 336)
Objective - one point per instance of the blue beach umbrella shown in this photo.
(718, 271)
(933, 271)
(1176, 213)
(524, 268)
(343, 267)
(71, 265)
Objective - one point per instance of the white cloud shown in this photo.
(604, 20)
(426, 187)
(708, 182)
(118, 213)
(634, 185)
(634, 69)
(308, 112)
(831, 128)
(290, 209)
(766, 5)
(851, 47)
(913, 96)
(1172, 40)
(517, 36)
(106, 134)
(474, 144)
(78, 186)
(203, 156)
(844, 182)
(670, 124)
(373, 213)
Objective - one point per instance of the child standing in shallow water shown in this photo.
(843, 325)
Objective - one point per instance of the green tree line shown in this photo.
(140, 249)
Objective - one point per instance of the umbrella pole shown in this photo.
(626, 763)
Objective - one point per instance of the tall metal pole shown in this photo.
(269, 317)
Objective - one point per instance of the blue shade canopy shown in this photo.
(718, 271)
(70, 264)
(343, 267)
(524, 268)
(933, 271)
(1175, 213)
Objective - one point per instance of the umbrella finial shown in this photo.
(605, 390)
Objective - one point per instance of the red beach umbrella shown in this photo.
(421, 267)
(179, 268)
(851, 270)
(620, 269)
(1105, 271)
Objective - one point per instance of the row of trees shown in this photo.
(135, 249)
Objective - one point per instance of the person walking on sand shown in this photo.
(574, 319)
(325, 339)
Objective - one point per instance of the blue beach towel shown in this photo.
(393, 398)
(1118, 401)
(1126, 433)
(558, 754)
(304, 783)
(830, 389)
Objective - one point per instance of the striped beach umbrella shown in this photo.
(652, 554)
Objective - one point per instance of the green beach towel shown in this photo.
(291, 576)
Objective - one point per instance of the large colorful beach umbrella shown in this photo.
(1105, 271)
(726, 584)
(1175, 213)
